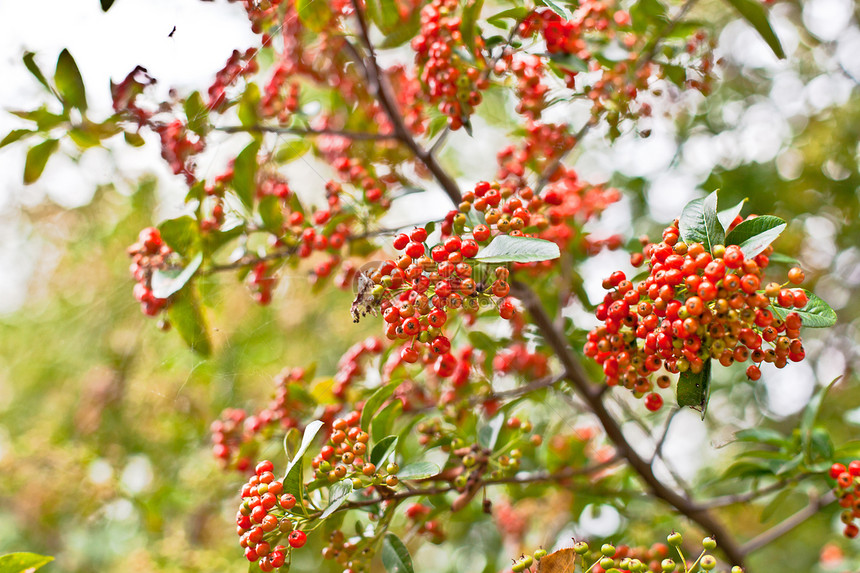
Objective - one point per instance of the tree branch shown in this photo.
(378, 86)
(591, 395)
(751, 495)
(780, 529)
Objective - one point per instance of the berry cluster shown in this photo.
(847, 490)
(418, 288)
(178, 146)
(350, 367)
(234, 434)
(351, 554)
(265, 517)
(344, 456)
(148, 254)
(238, 64)
(693, 306)
(451, 83)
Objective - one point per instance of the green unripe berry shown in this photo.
(608, 550)
(325, 466)
(581, 547)
(392, 468)
(607, 563)
(708, 562)
(668, 565)
(718, 251)
(737, 569)
(709, 543)
(540, 554)
(378, 291)
(518, 567)
(528, 561)
(460, 481)
(674, 539)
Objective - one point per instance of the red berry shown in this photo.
(415, 250)
(264, 466)
(854, 468)
(419, 235)
(836, 470)
(298, 538)
(654, 401)
(400, 241)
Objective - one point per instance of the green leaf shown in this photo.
(383, 449)
(293, 475)
(292, 150)
(313, 15)
(375, 402)
(488, 435)
(779, 258)
(45, 120)
(245, 174)
(468, 23)
(84, 138)
(699, 222)
(516, 14)
(165, 283)
(816, 313)
(557, 8)
(271, 214)
(22, 562)
(69, 82)
(402, 33)
(418, 470)
(248, 103)
(383, 423)
(810, 414)
(748, 469)
(756, 15)
(762, 436)
(30, 64)
(338, 494)
(482, 341)
(777, 502)
(507, 249)
(106, 4)
(133, 138)
(196, 114)
(726, 216)
(569, 61)
(389, 16)
(395, 556)
(37, 157)
(180, 234)
(187, 318)
(754, 235)
(15, 135)
(694, 389)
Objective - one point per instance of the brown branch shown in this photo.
(591, 395)
(354, 135)
(783, 527)
(378, 86)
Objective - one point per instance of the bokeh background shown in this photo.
(104, 452)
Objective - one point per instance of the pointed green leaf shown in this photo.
(816, 313)
(383, 423)
(395, 556)
(762, 436)
(187, 318)
(37, 157)
(515, 14)
(557, 8)
(755, 14)
(338, 494)
(69, 82)
(166, 283)
(196, 114)
(180, 234)
(754, 235)
(694, 389)
(699, 222)
(30, 64)
(488, 435)
(810, 413)
(293, 476)
(15, 135)
(507, 249)
(726, 216)
(402, 33)
(383, 449)
(418, 470)
(22, 562)
(245, 173)
(269, 208)
(469, 23)
(248, 103)
(375, 402)
(292, 150)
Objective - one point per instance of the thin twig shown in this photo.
(783, 527)
(748, 496)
